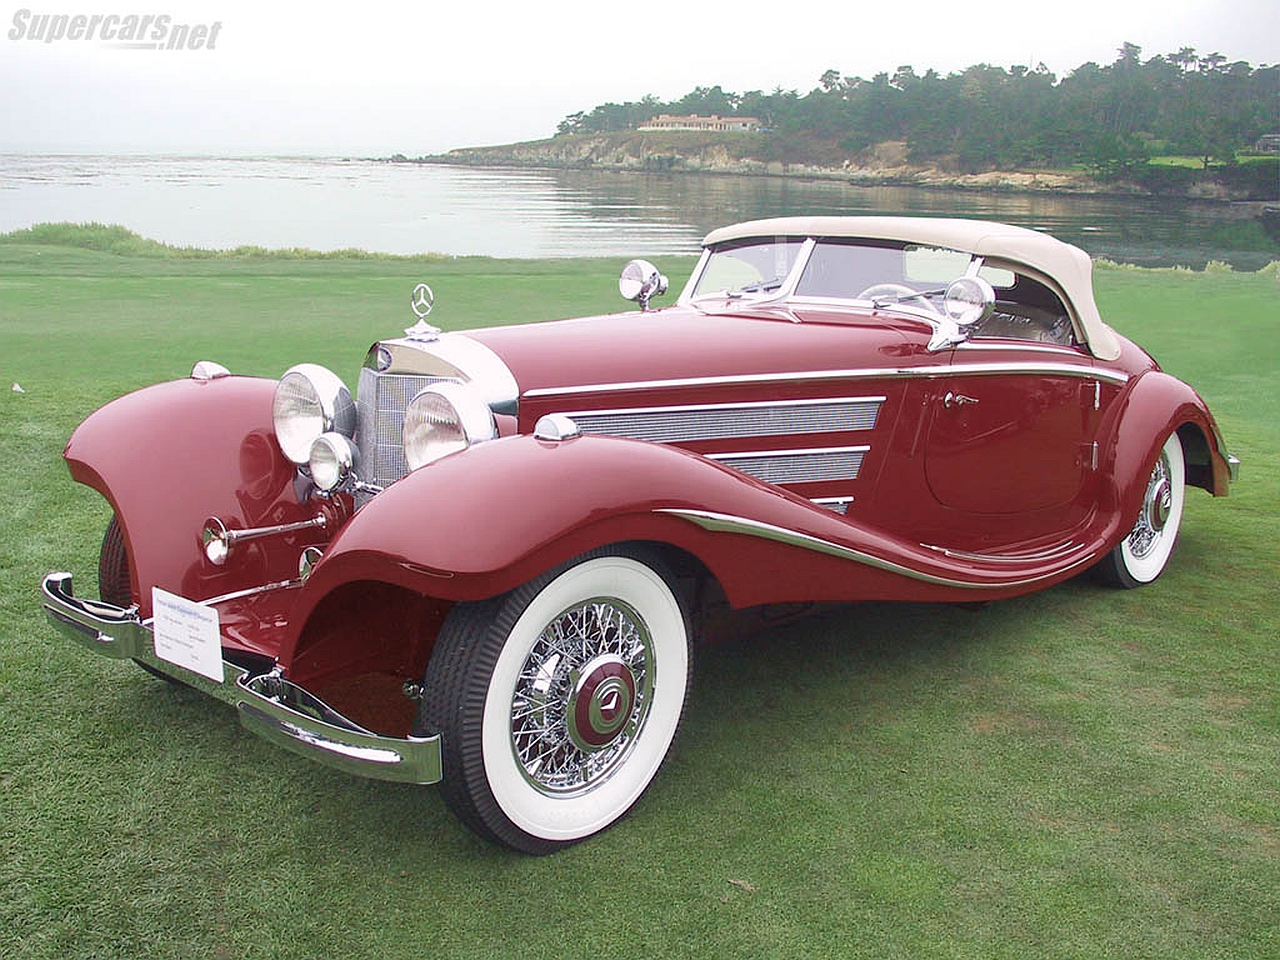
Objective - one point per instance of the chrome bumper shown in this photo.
(267, 704)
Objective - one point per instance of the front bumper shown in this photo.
(267, 704)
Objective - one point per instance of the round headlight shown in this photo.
(309, 401)
(333, 458)
(443, 419)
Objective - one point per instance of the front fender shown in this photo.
(1136, 428)
(482, 521)
(168, 456)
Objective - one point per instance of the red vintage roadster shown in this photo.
(487, 568)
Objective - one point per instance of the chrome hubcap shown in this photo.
(1161, 499)
(1157, 504)
(601, 703)
(582, 696)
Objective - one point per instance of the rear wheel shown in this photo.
(1142, 555)
(558, 702)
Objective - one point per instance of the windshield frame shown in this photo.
(945, 331)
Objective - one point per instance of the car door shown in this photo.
(1011, 427)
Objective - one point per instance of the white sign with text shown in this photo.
(187, 633)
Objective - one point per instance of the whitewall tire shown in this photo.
(1144, 552)
(558, 702)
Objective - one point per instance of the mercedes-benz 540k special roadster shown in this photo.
(486, 569)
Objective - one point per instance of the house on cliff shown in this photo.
(665, 121)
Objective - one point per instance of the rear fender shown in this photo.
(168, 456)
(1130, 439)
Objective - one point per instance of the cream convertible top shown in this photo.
(1063, 267)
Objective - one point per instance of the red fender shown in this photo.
(168, 456)
(489, 518)
(1135, 429)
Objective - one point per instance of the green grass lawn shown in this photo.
(1197, 163)
(1078, 773)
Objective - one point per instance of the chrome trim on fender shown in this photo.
(1050, 553)
(725, 523)
(252, 592)
(267, 704)
(719, 421)
(866, 373)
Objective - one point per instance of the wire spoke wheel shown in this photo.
(1144, 552)
(582, 696)
(558, 702)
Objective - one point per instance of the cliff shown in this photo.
(885, 164)
(749, 155)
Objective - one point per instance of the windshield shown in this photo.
(751, 269)
(836, 269)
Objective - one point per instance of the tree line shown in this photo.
(1110, 118)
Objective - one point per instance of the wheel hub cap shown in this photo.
(601, 702)
(1159, 502)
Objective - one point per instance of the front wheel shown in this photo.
(558, 702)
(115, 584)
(1142, 555)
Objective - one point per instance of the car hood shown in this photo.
(627, 350)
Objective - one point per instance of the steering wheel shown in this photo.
(898, 291)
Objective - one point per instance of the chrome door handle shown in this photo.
(957, 400)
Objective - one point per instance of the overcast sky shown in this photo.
(376, 79)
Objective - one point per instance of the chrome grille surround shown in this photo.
(381, 399)
(797, 466)
(719, 421)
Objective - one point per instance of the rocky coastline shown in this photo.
(886, 164)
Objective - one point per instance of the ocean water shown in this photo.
(333, 203)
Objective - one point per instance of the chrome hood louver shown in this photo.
(393, 373)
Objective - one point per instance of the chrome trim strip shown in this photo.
(865, 373)
(251, 591)
(752, 404)
(725, 523)
(785, 453)
(1050, 553)
(979, 343)
(721, 421)
(267, 704)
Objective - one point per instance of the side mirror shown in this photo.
(640, 281)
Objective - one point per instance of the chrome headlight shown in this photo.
(333, 459)
(442, 419)
(309, 401)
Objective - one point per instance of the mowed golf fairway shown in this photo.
(1079, 773)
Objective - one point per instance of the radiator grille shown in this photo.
(717, 422)
(380, 405)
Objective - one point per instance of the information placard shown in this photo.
(187, 633)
